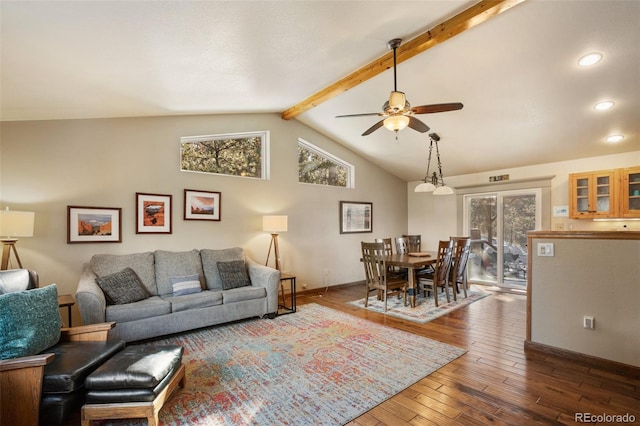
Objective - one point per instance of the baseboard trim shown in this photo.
(322, 290)
(584, 359)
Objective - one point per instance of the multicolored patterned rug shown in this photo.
(425, 309)
(317, 366)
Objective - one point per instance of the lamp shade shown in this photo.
(274, 224)
(444, 190)
(396, 122)
(425, 187)
(16, 224)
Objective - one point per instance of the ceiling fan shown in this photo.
(397, 110)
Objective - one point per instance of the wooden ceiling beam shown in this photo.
(469, 18)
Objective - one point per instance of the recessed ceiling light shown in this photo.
(604, 105)
(590, 59)
(614, 138)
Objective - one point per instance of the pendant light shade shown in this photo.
(434, 183)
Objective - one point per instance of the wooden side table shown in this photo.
(283, 308)
(66, 300)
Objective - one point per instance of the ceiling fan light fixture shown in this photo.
(397, 100)
(395, 123)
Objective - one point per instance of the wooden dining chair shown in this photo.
(377, 277)
(414, 243)
(440, 276)
(459, 257)
(402, 245)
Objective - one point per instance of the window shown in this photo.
(235, 154)
(318, 167)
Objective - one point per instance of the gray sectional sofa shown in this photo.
(181, 291)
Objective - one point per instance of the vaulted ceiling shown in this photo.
(526, 99)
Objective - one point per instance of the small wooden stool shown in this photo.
(144, 394)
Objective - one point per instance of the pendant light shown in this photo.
(434, 183)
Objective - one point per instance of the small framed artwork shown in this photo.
(94, 224)
(153, 213)
(356, 217)
(201, 205)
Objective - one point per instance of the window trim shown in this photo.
(351, 170)
(265, 151)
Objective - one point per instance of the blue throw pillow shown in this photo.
(29, 321)
(185, 285)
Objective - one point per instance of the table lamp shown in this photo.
(14, 224)
(274, 225)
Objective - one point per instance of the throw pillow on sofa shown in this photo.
(233, 274)
(210, 259)
(185, 285)
(122, 287)
(29, 321)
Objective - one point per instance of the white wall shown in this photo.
(47, 165)
(588, 277)
(436, 217)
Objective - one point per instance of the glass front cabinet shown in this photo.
(630, 179)
(593, 195)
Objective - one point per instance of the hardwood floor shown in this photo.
(494, 382)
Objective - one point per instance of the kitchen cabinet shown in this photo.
(630, 194)
(593, 195)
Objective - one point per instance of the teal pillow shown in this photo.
(29, 321)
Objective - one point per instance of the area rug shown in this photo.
(425, 310)
(317, 366)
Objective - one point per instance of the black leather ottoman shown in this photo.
(135, 383)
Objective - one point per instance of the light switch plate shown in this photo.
(545, 249)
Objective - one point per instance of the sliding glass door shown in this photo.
(498, 223)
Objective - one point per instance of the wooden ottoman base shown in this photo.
(133, 410)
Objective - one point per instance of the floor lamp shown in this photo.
(274, 225)
(14, 224)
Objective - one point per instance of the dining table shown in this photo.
(411, 262)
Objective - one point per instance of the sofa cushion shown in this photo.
(194, 301)
(29, 321)
(241, 294)
(175, 264)
(185, 285)
(141, 263)
(122, 287)
(152, 307)
(233, 274)
(210, 259)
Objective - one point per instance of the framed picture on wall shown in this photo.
(201, 205)
(153, 213)
(94, 224)
(356, 217)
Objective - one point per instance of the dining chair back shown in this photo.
(388, 245)
(377, 276)
(414, 243)
(402, 245)
(458, 274)
(440, 275)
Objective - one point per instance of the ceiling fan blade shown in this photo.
(366, 114)
(418, 125)
(429, 109)
(373, 128)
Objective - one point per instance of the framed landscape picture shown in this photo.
(201, 205)
(94, 224)
(356, 217)
(153, 213)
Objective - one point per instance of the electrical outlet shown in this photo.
(558, 226)
(545, 249)
(304, 286)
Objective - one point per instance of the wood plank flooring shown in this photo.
(494, 382)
